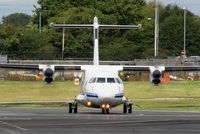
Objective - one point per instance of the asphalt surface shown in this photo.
(58, 121)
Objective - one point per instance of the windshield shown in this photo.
(105, 80)
(92, 80)
(110, 80)
(118, 80)
(101, 80)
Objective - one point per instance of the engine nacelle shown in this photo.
(156, 74)
(48, 75)
(48, 72)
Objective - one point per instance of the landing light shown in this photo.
(89, 103)
(107, 106)
(103, 106)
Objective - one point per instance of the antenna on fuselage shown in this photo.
(96, 28)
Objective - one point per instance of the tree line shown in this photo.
(21, 39)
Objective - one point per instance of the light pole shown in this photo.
(156, 40)
(63, 38)
(184, 36)
(40, 22)
(63, 43)
(40, 19)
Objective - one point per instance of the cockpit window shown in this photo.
(92, 80)
(101, 80)
(118, 80)
(110, 80)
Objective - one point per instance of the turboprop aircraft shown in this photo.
(102, 87)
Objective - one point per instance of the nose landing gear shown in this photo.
(127, 107)
(105, 108)
(105, 111)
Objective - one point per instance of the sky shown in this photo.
(20, 6)
(26, 6)
(192, 5)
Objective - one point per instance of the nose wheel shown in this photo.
(127, 108)
(73, 107)
(105, 111)
(105, 108)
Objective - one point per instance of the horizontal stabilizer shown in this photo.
(70, 26)
(120, 26)
(92, 26)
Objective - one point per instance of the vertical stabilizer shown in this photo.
(96, 42)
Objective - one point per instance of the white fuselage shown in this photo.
(101, 86)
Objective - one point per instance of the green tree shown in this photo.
(79, 43)
(48, 9)
(171, 36)
(16, 19)
(35, 46)
(24, 43)
(9, 37)
(171, 32)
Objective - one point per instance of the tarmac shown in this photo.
(91, 121)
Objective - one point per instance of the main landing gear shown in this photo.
(127, 108)
(73, 107)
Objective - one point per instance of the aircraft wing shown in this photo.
(156, 72)
(182, 68)
(78, 67)
(20, 66)
(161, 68)
(40, 67)
(136, 68)
(48, 70)
(68, 67)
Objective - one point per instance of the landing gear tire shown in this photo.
(73, 107)
(130, 108)
(70, 107)
(127, 108)
(76, 108)
(105, 111)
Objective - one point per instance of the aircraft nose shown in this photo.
(106, 91)
(107, 95)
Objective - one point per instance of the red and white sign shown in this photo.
(76, 81)
(183, 53)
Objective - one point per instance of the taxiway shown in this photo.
(58, 121)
